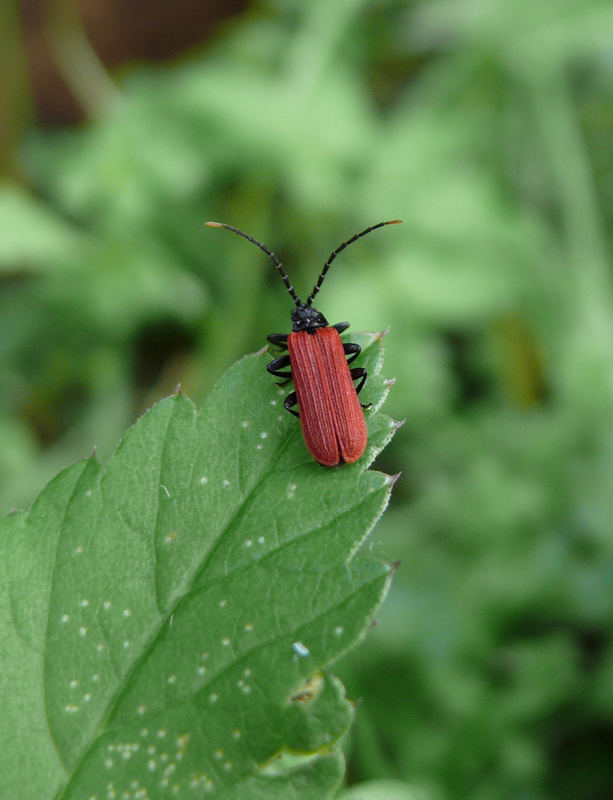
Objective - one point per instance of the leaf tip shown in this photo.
(93, 454)
(391, 479)
(262, 351)
(178, 390)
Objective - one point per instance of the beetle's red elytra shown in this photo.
(331, 415)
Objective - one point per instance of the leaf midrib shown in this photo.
(115, 701)
(117, 696)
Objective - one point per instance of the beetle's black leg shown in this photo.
(290, 401)
(341, 326)
(351, 349)
(277, 364)
(359, 373)
(275, 367)
(278, 339)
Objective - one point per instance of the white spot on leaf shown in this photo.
(300, 649)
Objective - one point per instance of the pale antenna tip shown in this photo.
(389, 222)
(214, 224)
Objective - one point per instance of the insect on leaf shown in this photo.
(166, 621)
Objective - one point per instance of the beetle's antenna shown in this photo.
(268, 252)
(341, 247)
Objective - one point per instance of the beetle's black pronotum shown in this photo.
(331, 415)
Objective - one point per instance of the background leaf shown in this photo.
(384, 790)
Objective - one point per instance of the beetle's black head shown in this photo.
(307, 318)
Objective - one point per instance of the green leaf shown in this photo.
(167, 620)
(31, 234)
(28, 544)
(384, 790)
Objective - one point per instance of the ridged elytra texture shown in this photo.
(331, 416)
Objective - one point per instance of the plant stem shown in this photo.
(78, 62)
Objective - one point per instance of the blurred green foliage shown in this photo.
(486, 126)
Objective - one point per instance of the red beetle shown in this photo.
(331, 415)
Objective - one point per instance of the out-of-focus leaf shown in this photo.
(31, 235)
(384, 790)
(525, 34)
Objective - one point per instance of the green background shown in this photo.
(487, 127)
